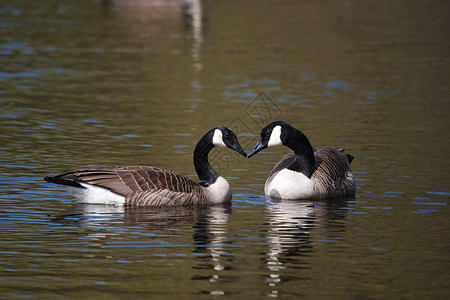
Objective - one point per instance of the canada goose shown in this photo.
(151, 186)
(304, 173)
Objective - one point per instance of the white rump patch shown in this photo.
(275, 137)
(95, 195)
(288, 184)
(217, 139)
(219, 191)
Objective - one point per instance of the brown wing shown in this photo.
(333, 171)
(284, 162)
(332, 161)
(143, 186)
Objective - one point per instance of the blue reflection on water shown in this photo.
(27, 74)
(19, 166)
(429, 203)
(338, 84)
(424, 211)
(237, 85)
(7, 49)
(241, 94)
(439, 193)
(91, 121)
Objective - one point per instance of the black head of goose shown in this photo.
(306, 172)
(151, 186)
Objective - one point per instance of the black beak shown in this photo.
(237, 147)
(259, 146)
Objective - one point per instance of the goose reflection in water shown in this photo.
(209, 225)
(210, 238)
(192, 13)
(163, 16)
(108, 216)
(90, 214)
(290, 223)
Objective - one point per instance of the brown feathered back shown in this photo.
(333, 171)
(143, 186)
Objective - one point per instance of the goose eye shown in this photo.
(268, 133)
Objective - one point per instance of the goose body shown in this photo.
(152, 186)
(305, 172)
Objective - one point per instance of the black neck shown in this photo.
(205, 172)
(304, 160)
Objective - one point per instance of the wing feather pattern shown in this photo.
(143, 186)
(333, 172)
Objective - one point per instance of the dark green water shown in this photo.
(139, 82)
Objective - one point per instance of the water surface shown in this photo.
(139, 82)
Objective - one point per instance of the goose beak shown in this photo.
(259, 146)
(237, 147)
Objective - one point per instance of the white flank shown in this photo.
(95, 195)
(217, 139)
(288, 184)
(218, 192)
(275, 137)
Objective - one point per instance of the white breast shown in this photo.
(219, 192)
(95, 195)
(288, 184)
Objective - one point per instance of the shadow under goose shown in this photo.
(152, 186)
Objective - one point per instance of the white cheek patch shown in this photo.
(217, 139)
(275, 137)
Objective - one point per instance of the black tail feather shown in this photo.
(63, 181)
(350, 158)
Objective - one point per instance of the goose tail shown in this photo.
(350, 158)
(64, 179)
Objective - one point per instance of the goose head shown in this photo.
(225, 137)
(219, 136)
(276, 133)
